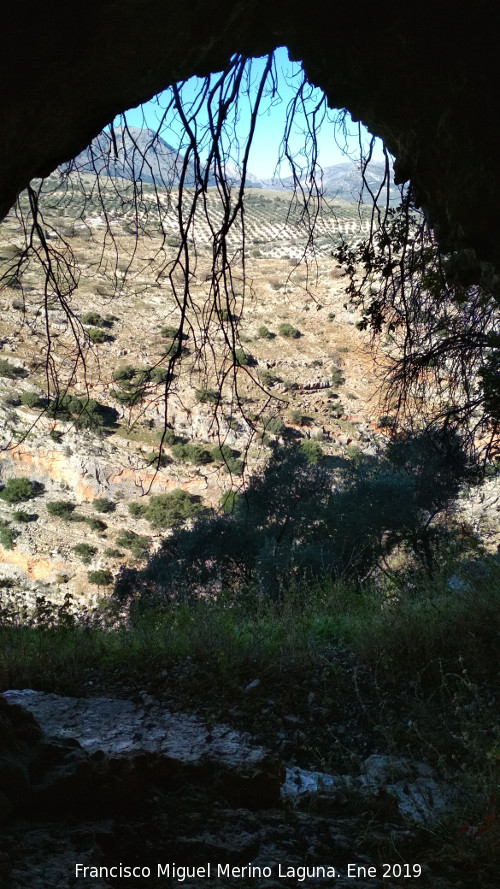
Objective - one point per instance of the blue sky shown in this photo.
(271, 121)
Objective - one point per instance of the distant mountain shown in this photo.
(344, 181)
(136, 153)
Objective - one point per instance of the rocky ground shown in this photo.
(170, 772)
(322, 385)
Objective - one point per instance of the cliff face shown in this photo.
(421, 79)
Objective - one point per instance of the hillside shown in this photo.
(305, 371)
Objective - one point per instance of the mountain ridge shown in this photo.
(142, 154)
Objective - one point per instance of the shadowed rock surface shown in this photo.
(141, 786)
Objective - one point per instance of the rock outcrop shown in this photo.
(99, 781)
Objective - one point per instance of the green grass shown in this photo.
(430, 636)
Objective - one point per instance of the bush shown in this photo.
(21, 516)
(158, 375)
(192, 452)
(61, 509)
(124, 372)
(103, 504)
(172, 333)
(88, 414)
(267, 378)
(137, 510)
(96, 524)
(169, 510)
(129, 399)
(206, 396)
(96, 335)
(288, 330)
(243, 359)
(153, 458)
(273, 425)
(113, 553)
(93, 318)
(32, 399)
(337, 378)
(7, 537)
(264, 333)
(229, 500)
(136, 543)
(386, 422)
(297, 417)
(336, 409)
(10, 370)
(100, 578)
(85, 552)
(313, 452)
(17, 490)
(229, 457)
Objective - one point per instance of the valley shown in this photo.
(305, 371)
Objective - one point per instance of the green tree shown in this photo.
(17, 490)
(170, 510)
(85, 552)
(100, 577)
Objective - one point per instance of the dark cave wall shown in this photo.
(423, 77)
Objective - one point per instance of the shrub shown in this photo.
(173, 348)
(96, 524)
(93, 318)
(10, 370)
(136, 543)
(55, 435)
(336, 408)
(124, 372)
(113, 553)
(21, 516)
(17, 490)
(61, 509)
(85, 552)
(265, 333)
(103, 504)
(206, 396)
(267, 378)
(243, 359)
(337, 378)
(137, 510)
(153, 458)
(313, 452)
(158, 375)
(386, 422)
(172, 333)
(228, 500)
(297, 417)
(288, 330)
(31, 399)
(88, 414)
(96, 335)
(7, 537)
(229, 457)
(100, 578)
(192, 452)
(273, 425)
(168, 510)
(11, 399)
